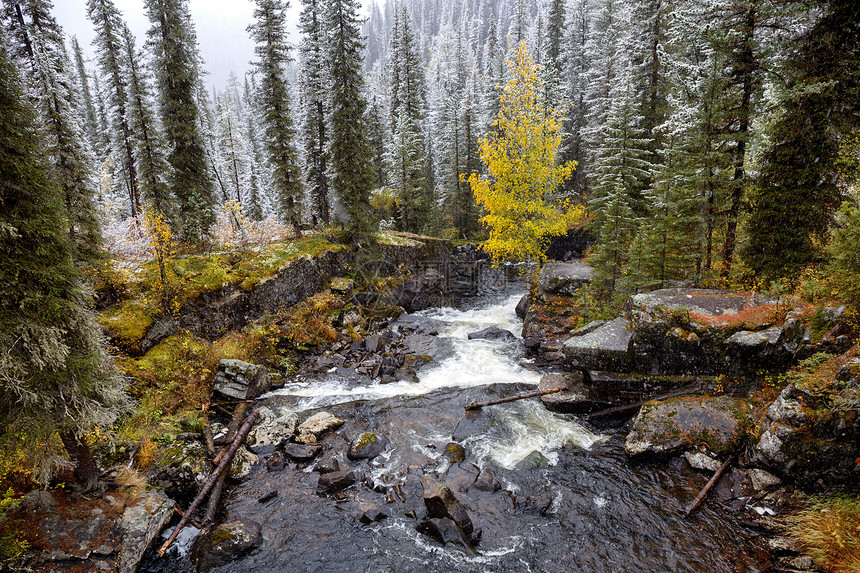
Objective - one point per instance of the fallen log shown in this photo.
(225, 461)
(616, 410)
(711, 482)
(235, 422)
(214, 498)
(473, 405)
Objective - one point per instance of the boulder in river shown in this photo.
(492, 333)
(335, 481)
(677, 423)
(274, 427)
(226, 543)
(441, 502)
(444, 530)
(367, 446)
(315, 426)
(301, 452)
(533, 461)
(522, 306)
(424, 290)
(239, 380)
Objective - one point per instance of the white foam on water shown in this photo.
(527, 427)
(474, 363)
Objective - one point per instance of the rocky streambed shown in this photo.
(396, 476)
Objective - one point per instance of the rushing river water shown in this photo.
(589, 509)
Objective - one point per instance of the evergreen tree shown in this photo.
(231, 145)
(88, 117)
(108, 26)
(313, 82)
(349, 151)
(797, 181)
(254, 207)
(272, 52)
(406, 107)
(175, 56)
(40, 41)
(149, 143)
(55, 377)
(622, 167)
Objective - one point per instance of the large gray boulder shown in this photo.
(141, 523)
(672, 425)
(239, 380)
(275, 426)
(606, 348)
(699, 331)
(563, 278)
(812, 436)
(315, 426)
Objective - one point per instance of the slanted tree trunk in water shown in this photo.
(85, 466)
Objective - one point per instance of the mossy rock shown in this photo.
(533, 461)
(668, 426)
(127, 324)
(454, 453)
(367, 446)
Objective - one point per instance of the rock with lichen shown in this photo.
(367, 446)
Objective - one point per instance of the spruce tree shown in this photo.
(88, 117)
(798, 179)
(149, 143)
(40, 42)
(313, 81)
(254, 208)
(108, 26)
(55, 377)
(175, 61)
(407, 152)
(349, 150)
(272, 53)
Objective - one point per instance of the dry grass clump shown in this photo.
(829, 532)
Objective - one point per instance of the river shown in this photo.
(587, 508)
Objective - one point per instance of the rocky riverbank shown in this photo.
(691, 367)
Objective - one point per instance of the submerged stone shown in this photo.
(317, 425)
(226, 543)
(533, 461)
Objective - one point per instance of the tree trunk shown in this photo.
(85, 466)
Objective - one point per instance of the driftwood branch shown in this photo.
(616, 410)
(225, 461)
(473, 405)
(711, 482)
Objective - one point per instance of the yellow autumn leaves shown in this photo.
(521, 159)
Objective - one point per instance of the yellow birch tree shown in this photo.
(520, 158)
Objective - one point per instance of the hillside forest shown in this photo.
(706, 143)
